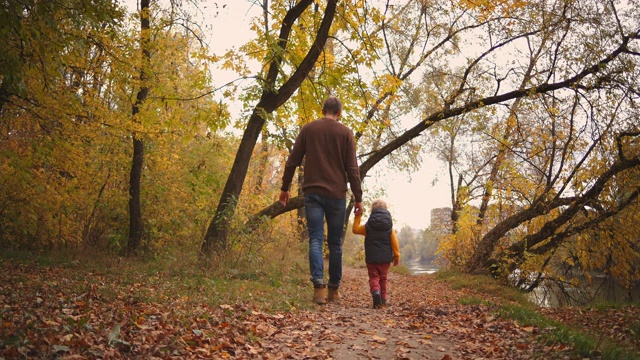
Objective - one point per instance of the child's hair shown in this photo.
(378, 204)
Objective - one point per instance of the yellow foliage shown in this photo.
(390, 83)
(456, 249)
(66, 149)
(488, 8)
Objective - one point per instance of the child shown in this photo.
(380, 248)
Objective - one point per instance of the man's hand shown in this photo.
(395, 262)
(284, 198)
(357, 208)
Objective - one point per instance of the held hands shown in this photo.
(357, 208)
(284, 198)
(395, 262)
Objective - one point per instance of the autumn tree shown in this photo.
(275, 89)
(556, 146)
(383, 52)
(51, 69)
(135, 175)
(169, 25)
(38, 30)
(65, 137)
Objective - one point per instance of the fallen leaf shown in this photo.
(379, 339)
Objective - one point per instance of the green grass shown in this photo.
(555, 332)
(586, 345)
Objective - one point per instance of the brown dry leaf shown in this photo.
(379, 339)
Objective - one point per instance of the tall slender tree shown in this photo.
(136, 229)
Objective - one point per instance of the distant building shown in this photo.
(441, 221)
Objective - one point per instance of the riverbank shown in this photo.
(595, 292)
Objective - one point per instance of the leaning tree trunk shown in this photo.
(216, 236)
(549, 237)
(135, 176)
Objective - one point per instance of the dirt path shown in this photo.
(424, 321)
(366, 333)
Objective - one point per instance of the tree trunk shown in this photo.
(263, 162)
(216, 236)
(4, 94)
(302, 215)
(456, 200)
(135, 212)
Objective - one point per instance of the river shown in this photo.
(418, 268)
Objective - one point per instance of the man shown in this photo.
(329, 150)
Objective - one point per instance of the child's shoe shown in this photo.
(377, 299)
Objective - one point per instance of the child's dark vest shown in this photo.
(377, 242)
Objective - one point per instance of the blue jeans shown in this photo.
(317, 209)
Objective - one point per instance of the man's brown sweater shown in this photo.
(329, 151)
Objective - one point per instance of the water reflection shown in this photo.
(580, 292)
(418, 268)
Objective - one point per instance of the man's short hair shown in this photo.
(332, 106)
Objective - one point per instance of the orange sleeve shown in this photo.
(357, 228)
(395, 247)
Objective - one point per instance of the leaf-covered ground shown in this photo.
(63, 312)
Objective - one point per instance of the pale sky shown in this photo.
(412, 197)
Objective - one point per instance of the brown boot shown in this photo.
(320, 294)
(334, 295)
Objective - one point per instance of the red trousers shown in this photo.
(378, 278)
